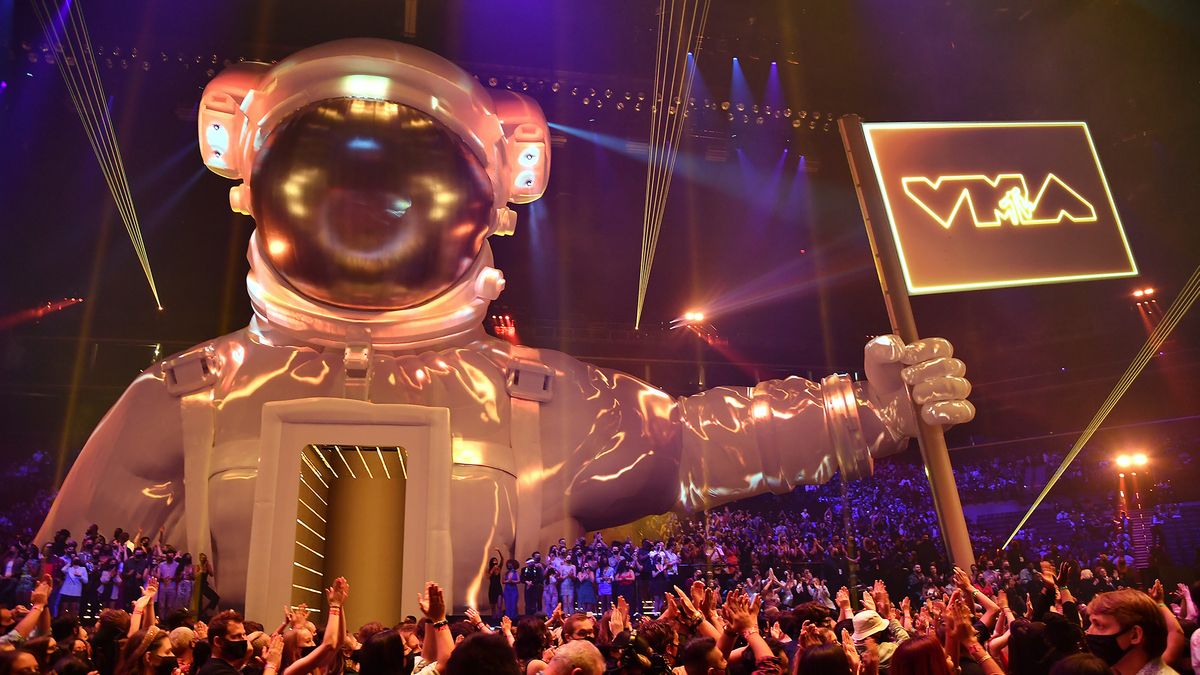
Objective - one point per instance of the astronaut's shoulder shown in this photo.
(198, 368)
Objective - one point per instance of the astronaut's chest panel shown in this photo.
(330, 472)
(472, 392)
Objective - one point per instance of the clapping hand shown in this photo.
(843, 597)
(868, 602)
(274, 654)
(850, 651)
(882, 602)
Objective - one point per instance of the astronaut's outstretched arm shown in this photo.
(737, 442)
(130, 472)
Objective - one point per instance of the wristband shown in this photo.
(748, 632)
(335, 611)
(440, 624)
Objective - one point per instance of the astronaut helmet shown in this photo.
(375, 170)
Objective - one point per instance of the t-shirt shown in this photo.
(217, 666)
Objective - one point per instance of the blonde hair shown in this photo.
(1134, 608)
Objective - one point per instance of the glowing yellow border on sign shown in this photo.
(869, 127)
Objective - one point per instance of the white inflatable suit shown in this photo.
(375, 172)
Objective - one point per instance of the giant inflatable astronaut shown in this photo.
(375, 171)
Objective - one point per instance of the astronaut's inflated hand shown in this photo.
(929, 370)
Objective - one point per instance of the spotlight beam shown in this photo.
(69, 40)
(1183, 302)
(674, 75)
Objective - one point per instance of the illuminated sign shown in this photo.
(988, 205)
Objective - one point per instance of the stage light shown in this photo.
(1124, 461)
(724, 105)
(1138, 293)
(796, 124)
(761, 410)
(740, 107)
(1140, 459)
(1148, 291)
(530, 157)
(554, 87)
(277, 246)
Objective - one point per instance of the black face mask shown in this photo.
(1107, 648)
(232, 650)
(166, 666)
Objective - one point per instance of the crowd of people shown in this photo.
(839, 578)
(1063, 621)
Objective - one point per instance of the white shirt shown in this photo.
(1196, 651)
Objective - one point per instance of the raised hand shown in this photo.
(810, 635)
(623, 610)
(557, 616)
(1156, 592)
(850, 651)
(672, 610)
(737, 611)
(300, 616)
(685, 606)
(506, 624)
(274, 653)
(432, 603)
(843, 597)
(880, 595)
(699, 593)
(867, 601)
(338, 593)
(1002, 600)
(148, 593)
(962, 579)
(473, 616)
(41, 593)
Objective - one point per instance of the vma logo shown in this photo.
(990, 202)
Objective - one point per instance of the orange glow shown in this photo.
(760, 410)
(1140, 459)
(1139, 293)
(1124, 461)
(277, 247)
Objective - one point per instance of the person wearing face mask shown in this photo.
(579, 626)
(1130, 632)
(227, 634)
(183, 642)
(148, 652)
